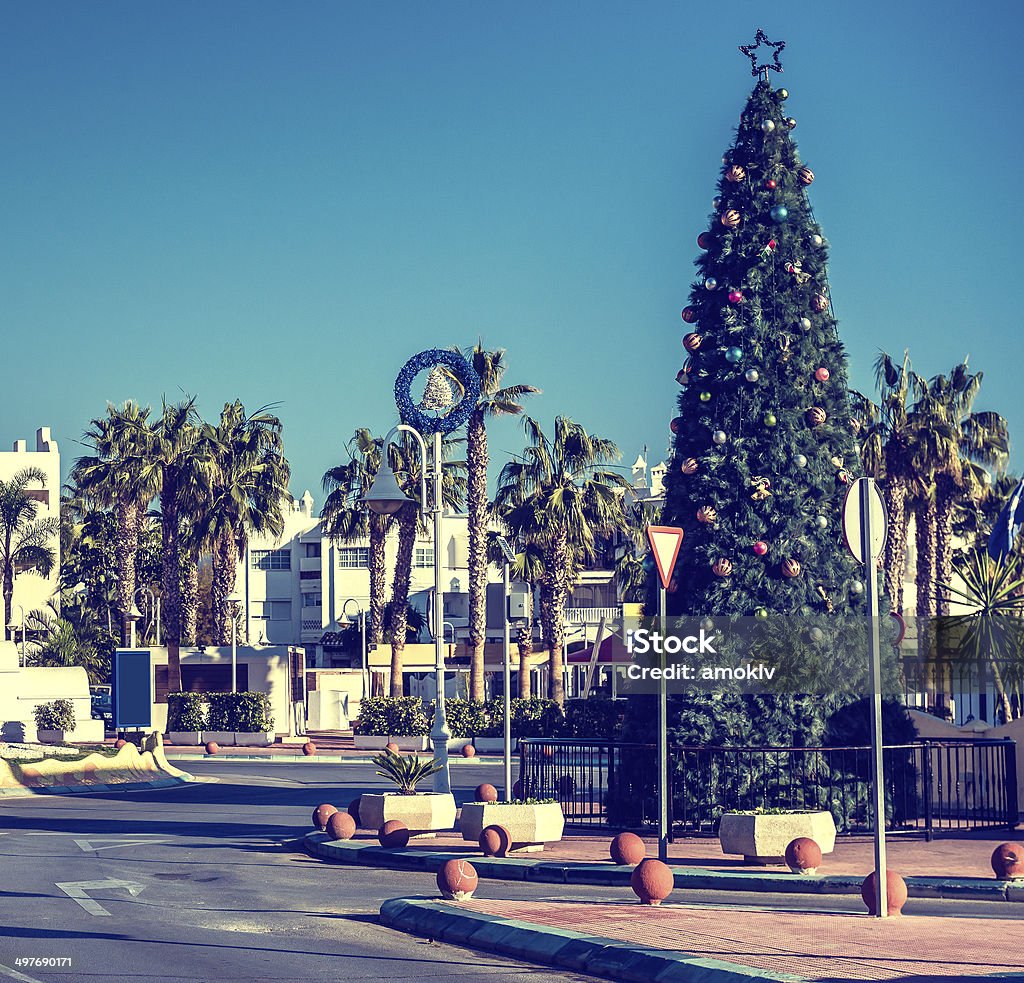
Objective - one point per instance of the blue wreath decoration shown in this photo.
(458, 414)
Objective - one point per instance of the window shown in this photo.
(312, 550)
(273, 610)
(272, 559)
(312, 600)
(423, 558)
(354, 557)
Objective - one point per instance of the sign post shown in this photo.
(864, 529)
(665, 542)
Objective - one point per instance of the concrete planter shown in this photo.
(456, 744)
(185, 737)
(374, 742)
(255, 738)
(51, 736)
(225, 738)
(763, 839)
(424, 813)
(493, 745)
(529, 826)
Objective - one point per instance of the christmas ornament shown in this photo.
(710, 283)
(676, 425)
(751, 375)
(822, 374)
(816, 416)
(806, 610)
(767, 126)
(760, 548)
(856, 587)
(771, 184)
(760, 613)
(782, 93)
(800, 461)
(819, 302)
(784, 343)
(805, 176)
(734, 355)
(704, 240)
(779, 213)
(689, 466)
(692, 341)
(800, 275)
(837, 461)
(689, 314)
(821, 522)
(707, 624)
(790, 568)
(719, 437)
(437, 393)
(735, 174)
(844, 477)
(730, 219)
(824, 596)
(722, 567)
(707, 514)
(705, 397)
(816, 240)
(716, 203)
(762, 488)
(683, 377)
(770, 419)
(735, 296)
(768, 249)
(817, 634)
(790, 123)
(458, 368)
(805, 324)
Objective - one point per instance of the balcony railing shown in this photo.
(591, 616)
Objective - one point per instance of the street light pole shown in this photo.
(506, 670)
(439, 733)
(234, 600)
(362, 637)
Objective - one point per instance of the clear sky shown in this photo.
(282, 202)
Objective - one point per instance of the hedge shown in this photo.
(392, 716)
(58, 715)
(232, 712)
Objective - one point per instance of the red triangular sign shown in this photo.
(665, 542)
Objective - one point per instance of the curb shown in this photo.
(610, 875)
(318, 758)
(562, 948)
(25, 792)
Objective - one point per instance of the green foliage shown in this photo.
(219, 711)
(187, 712)
(393, 716)
(527, 802)
(467, 718)
(56, 715)
(405, 770)
(594, 718)
(247, 713)
(251, 713)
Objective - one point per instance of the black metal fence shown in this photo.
(929, 785)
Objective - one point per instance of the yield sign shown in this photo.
(665, 542)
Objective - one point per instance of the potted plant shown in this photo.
(467, 719)
(252, 723)
(423, 812)
(186, 717)
(762, 835)
(54, 721)
(399, 720)
(530, 822)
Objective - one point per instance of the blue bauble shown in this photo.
(779, 213)
(734, 355)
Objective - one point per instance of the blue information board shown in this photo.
(133, 689)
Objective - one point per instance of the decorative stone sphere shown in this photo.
(341, 826)
(895, 889)
(627, 849)
(468, 751)
(353, 809)
(651, 881)
(212, 747)
(391, 747)
(393, 835)
(495, 840)
(322, 813)
(517, 789)
(485, 793)
(309, 749)
(457, 880)
(120, 743)
(1008, 861)
(803, 855)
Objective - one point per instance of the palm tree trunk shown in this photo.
(171, 578)
(225, 565)
(476, 500)
(895, 556)
(924, 521)
(8, 580)
(378, 579)
(524, 642)
(553, 606)
(126, 545)
(189, 595)
(946, 494)
(407, 520)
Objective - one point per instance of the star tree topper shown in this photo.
(750, 51)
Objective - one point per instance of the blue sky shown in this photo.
(283, 202)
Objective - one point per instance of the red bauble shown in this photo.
(676, 425)
(770, 184)
(689, 315)
(760, 548)
(704, 240)
(735, 296)
(822, 374)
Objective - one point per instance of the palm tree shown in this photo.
(114, 477)
(495, 400)
(346, 521)
(24, 538)
(574, 499)
(629, 566)
(250, 487)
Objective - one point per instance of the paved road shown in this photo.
(203, 883)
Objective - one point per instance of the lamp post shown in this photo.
(506, 668)
(13, 629)
(234, 600)
(386, 498)
(362, 639)
(132, 618)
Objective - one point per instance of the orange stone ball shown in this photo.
(392, 747)
(309, 749)
(394, 834)
(896, 892)
(212, 747)
(120, 743)
(495, 841)
(627, 849)
(322, 813)
(468, 751)
(485, 793)
(652, 881)
(341, 826)
(1008, 861)
(457, 880)
(803, 855)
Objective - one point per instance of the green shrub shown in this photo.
(186, 711)
(393, 716)
(467, 718)
(219, 713)
(596, 718)
(58, 715)
(537, 718)
(405, 770)
(252, 713)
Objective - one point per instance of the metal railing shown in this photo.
(930, 785)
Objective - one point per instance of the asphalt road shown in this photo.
(203, 883)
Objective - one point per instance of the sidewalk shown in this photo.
(669, 943)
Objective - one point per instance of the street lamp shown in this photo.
(509, 558)
(13, 628)
(132, 617)
(152, 605)
(361, 614)
(234, 600)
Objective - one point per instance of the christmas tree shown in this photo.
(765, 440)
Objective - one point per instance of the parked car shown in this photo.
(102, 705)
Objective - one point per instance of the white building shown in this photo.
(32, 591)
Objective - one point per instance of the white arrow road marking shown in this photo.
(15, 975)
(106, 843)
(76, 891)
